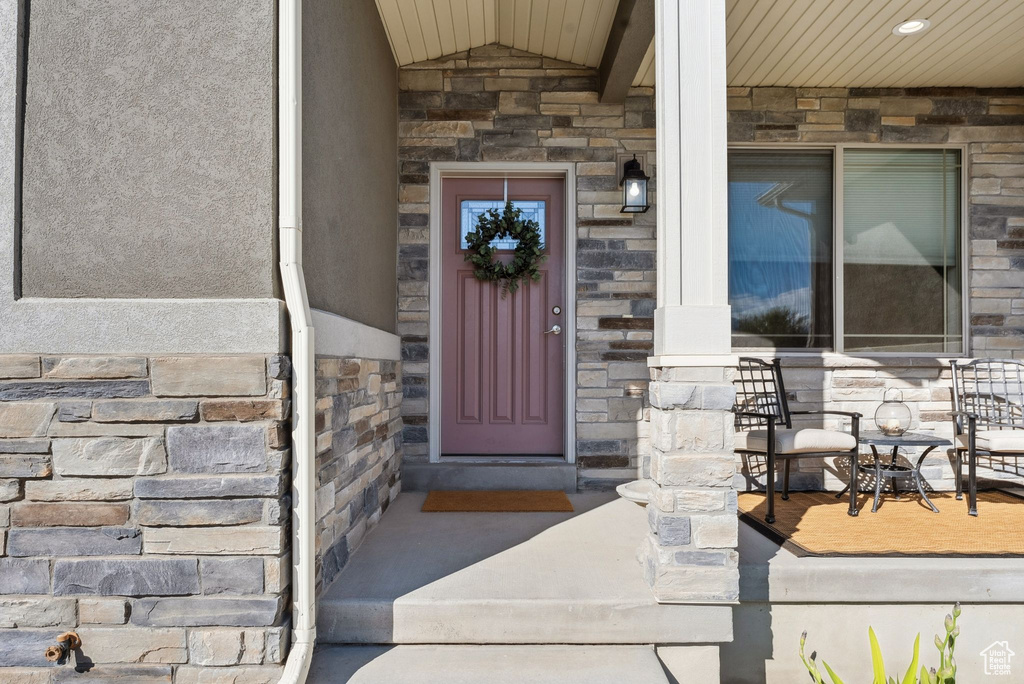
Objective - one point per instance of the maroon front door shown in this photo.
(502, 361)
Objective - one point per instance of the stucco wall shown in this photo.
(350, 177)
(149, 150)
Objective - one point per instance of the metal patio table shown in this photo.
(892, 469)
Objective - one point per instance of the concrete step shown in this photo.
(508, 578)
(490, 664)
(541, 473)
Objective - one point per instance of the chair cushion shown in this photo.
(796, 441)
(1011, 441)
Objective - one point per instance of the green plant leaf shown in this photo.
(877, 665)
(833, 675)
(912, 670)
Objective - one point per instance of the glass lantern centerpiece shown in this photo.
(892, 418)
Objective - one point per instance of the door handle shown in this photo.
(556, 329)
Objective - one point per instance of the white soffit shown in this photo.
(832, 43)
(567, 30)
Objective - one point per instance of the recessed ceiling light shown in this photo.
(910, 27)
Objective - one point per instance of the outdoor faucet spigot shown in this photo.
(66, 643)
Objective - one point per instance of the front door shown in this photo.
(502, 359)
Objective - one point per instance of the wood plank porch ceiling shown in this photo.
(809, 43)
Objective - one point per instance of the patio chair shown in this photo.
(764, 425)
(988, 400)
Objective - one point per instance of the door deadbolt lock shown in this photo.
(556, 310)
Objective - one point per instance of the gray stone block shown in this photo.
(24, 465)
(133, 577)
(74, 411)
(74, 541)
(205, 612)
(197, 513)
(109, 456)
(145, 411)
(24, 576)
(10, 490)
(207, 487)
(115, 674)
(24, 446)
(75, 389)
(231, 575)
(217, 449)
(672, 530)
(25, 647)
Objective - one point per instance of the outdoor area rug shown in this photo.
(817, 524)
(475, 501)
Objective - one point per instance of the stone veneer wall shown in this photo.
(143, 504)
(991, 123)
(359, 450)
(498, 104)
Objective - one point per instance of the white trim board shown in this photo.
(340, 336)
(439, 170)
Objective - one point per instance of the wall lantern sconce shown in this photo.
(634, 188)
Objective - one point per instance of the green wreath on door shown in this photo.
(528, 255)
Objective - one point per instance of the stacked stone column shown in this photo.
(689, 555)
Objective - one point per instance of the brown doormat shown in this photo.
(817, 524)
(497, 502)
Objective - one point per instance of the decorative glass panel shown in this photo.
(780, 248)
(901, 250)
(470, 211)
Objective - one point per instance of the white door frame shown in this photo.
(440, 170)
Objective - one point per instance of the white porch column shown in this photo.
(693, 289)
(690, 555)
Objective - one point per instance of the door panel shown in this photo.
(502, 376)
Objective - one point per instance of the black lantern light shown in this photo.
(634, 188)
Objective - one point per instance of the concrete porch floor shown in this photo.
(508, 578)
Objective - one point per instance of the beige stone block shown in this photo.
(434, 129)
(714, 531)
(109, 456)
(898, 120)
(570, 97)
(738, 104)
(102, 611)
(36, 612)
(25, 419)
(808, 103)
(246, 540)
(130, 645)
(420, 79)
(68, 514)
(199, 376)
(825, 117)
(89, 429)
(598, 121)
(559, 109)
(19, 366)
(692, 470)
(91, 367)
(242, 410)
(219, 647)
